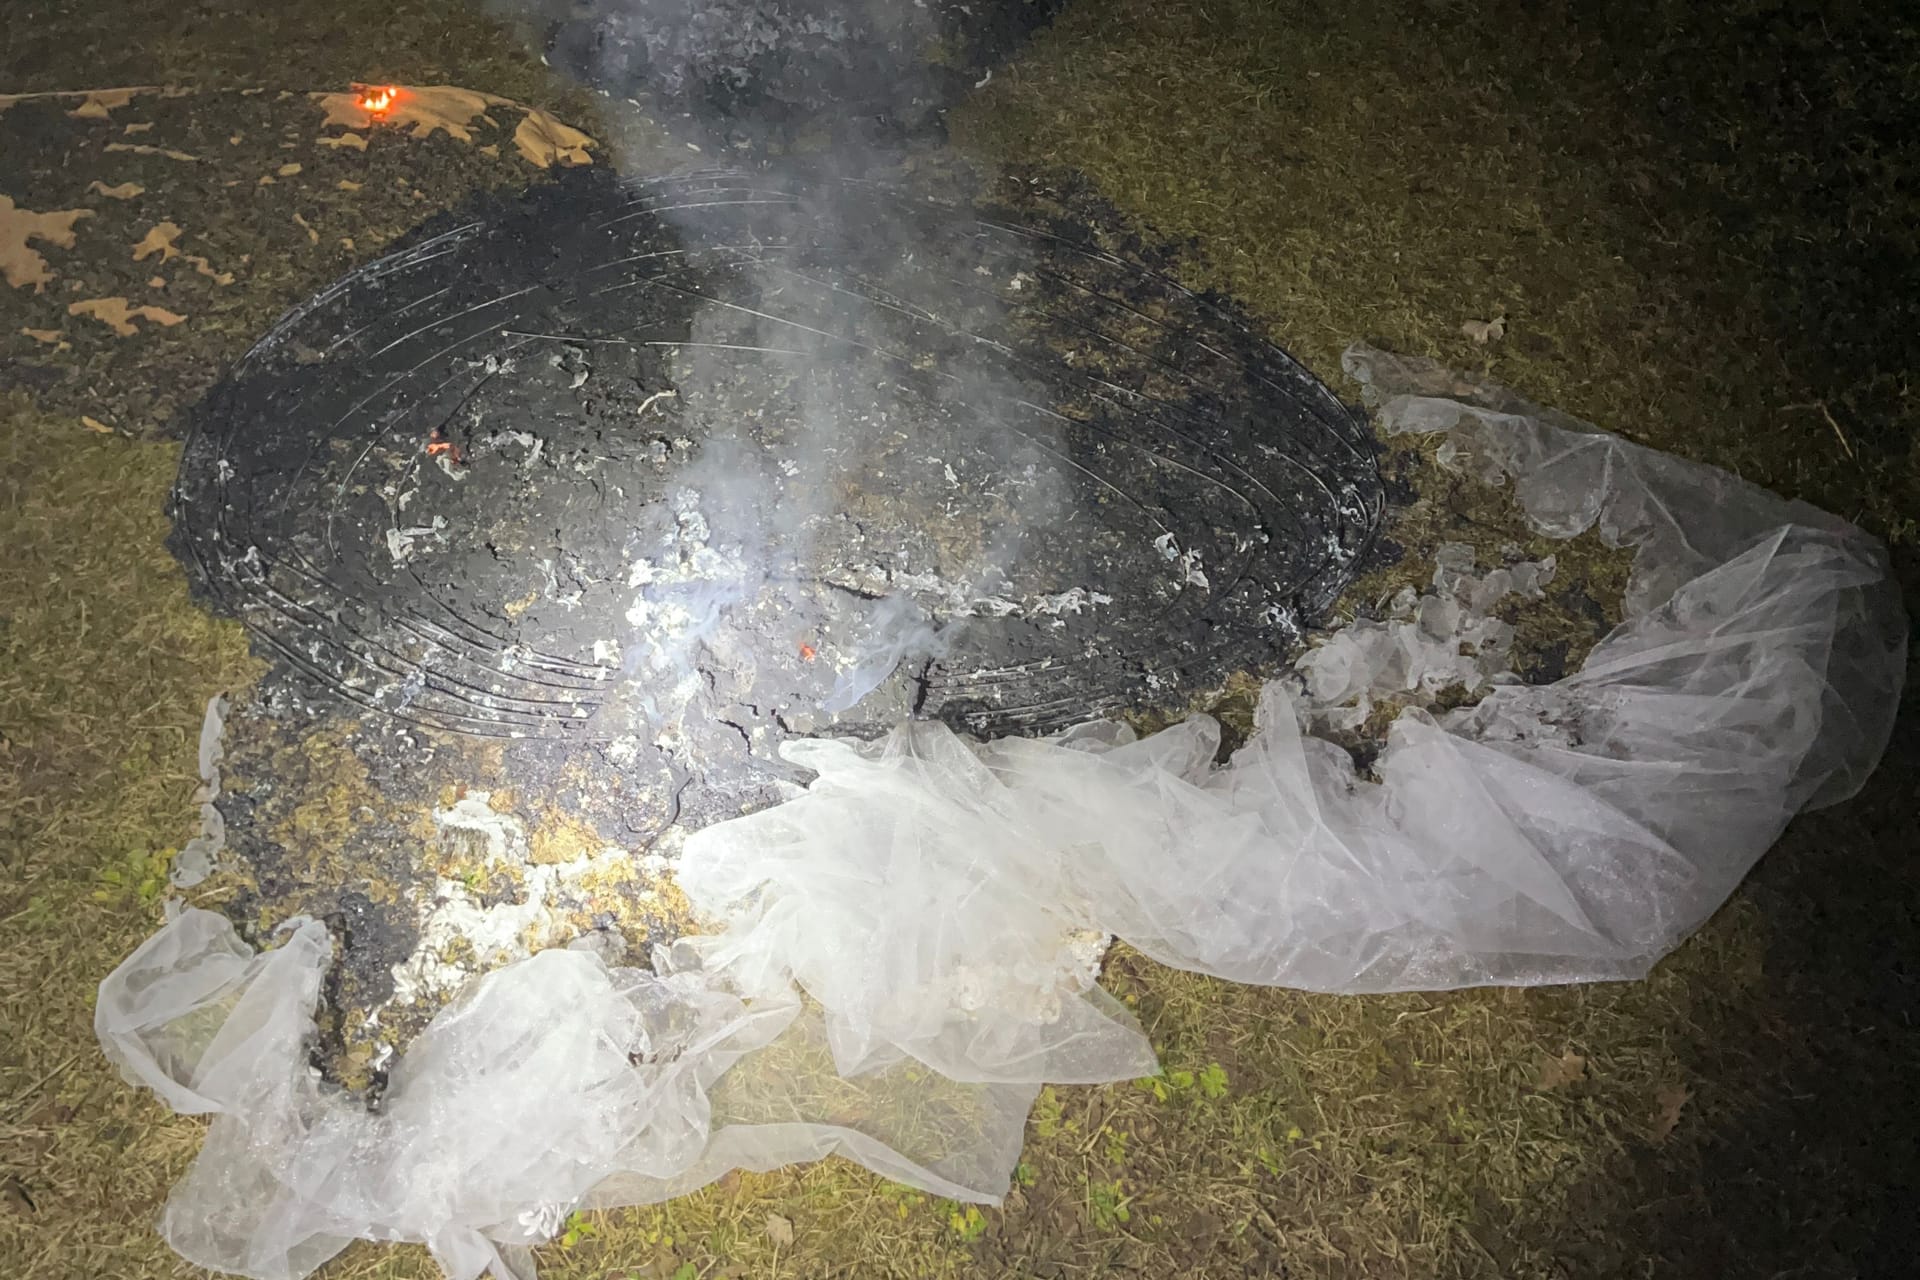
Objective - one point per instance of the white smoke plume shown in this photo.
(799, 495)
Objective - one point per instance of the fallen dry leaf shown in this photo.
(1669, 1101)
(346, 242)
(266, 179)
(100, 103)
(308, 228)
(545, 142)
(1485, 331)
(427, 109)
(125, 191)
(156, 282)
(142, 149)
(51, 337)
(20, 263)
(491, 150)
(1557, 1073)
(287, 170)
(159, 239)
(779, 1230)
(141, 127)
(107, 95)
(358, 141)
(118, 316)
(347, 184)
(95, 425)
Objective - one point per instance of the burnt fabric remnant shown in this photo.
(588, 501)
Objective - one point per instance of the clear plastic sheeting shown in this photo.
(1429, 641)
(1703, 539)
(545, 1080)
(195, 861)
(903, 954)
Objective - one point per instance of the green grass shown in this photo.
(105, 668)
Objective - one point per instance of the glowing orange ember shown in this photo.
(375, 101)
(438, 444)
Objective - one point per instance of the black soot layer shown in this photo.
(718, 457)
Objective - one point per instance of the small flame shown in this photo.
(376, 101)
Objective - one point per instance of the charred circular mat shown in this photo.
(633, 461)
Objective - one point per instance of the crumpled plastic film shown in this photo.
(195, 860)
(543, 1080)
(1686, 521)
(906, 952)
(1427, 641)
